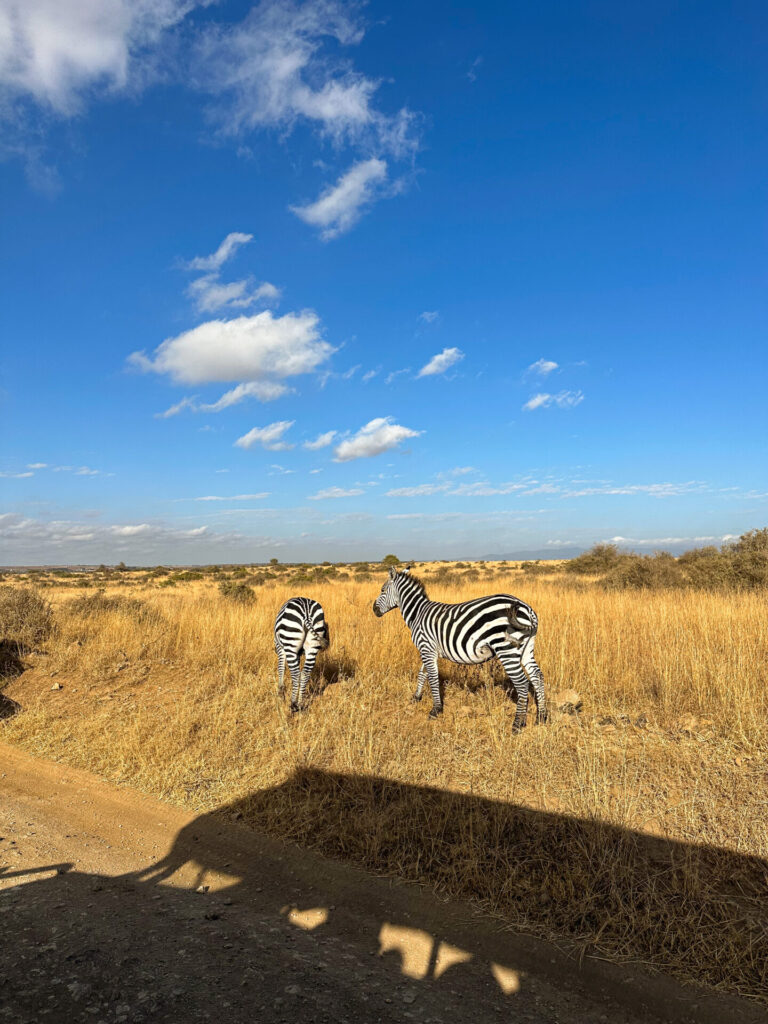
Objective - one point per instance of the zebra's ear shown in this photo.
(392, 572)
(407, 569)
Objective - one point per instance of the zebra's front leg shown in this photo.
(280, 671)
(537, 681)
(511, 658)
(420, 684)
(430, 669)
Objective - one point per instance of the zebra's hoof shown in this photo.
(295, 708)
(542, 718)
(416, 698)
(518, 725)
(435, 712)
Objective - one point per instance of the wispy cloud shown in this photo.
(234, 497)
(662, 490)
(321, 441)
(340, 206)
(542, 367)
(378, 436)
(441, 362)
(429, 316)
(336, 492)
(563, 400)
(17, 476)
(227, 249)
(37, 465)
(269, 437)
(271, 72)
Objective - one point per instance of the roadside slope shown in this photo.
(100, 892)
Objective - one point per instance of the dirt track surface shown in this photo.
(117, 908)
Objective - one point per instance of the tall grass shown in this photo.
(174, 691)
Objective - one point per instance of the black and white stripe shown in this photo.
(300, 628)
(469, 633)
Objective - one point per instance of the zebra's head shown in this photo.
(389, 597)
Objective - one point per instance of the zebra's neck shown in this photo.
(412, 598)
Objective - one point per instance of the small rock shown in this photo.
(567, 702)
(57, 686)
(409, 996)
(293, 990)
(202, 888)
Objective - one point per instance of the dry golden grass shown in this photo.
(546, 828)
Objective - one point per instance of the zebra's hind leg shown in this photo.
(510, 657)
(420, 684)
(306, 672)
(280, 670)
(294, 666)
(537, 681)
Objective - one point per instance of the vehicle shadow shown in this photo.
(229, 917)
(11, 667)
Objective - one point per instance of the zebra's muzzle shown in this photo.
(376, 611)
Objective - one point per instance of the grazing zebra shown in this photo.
(468, 633)
(300, 627)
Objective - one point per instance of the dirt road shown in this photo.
(117, 908)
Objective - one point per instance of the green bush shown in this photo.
(26, 618)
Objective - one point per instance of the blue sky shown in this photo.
(324, 281)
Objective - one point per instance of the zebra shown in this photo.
(469, 633)
(300, 627)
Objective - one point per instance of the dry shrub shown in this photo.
(26, 618)
(99, 603)
(237, 591)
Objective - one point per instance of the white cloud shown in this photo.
(269, 437)
(429, 317)
(563, 400)
(16, 476)
(321, 441)
(270, 72)
(225, 251)
(336, 492)
(58, 52)
(235, 497)
(340, 206)
(542, 367)
(369, 375)
(441, 362)
(377, 436)
(87, 471)
(249, 348)
(37, 465)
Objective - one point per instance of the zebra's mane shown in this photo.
(414, 582)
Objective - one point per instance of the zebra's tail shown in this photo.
(522, 620)
(323, 638)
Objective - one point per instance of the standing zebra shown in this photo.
(300, 627)
(468, 633)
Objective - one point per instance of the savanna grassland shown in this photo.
(634, 825)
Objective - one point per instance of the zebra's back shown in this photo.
(465, 632)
